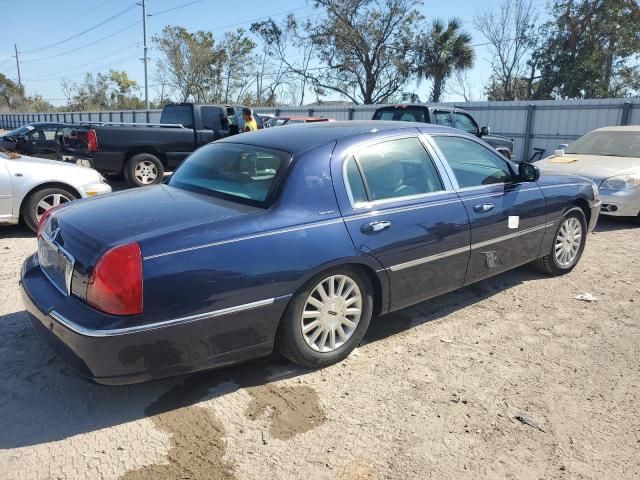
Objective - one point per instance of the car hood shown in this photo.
(158, 218)
(595, 167)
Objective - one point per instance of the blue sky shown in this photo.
(44, 23)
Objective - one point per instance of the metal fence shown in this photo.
(540, 124)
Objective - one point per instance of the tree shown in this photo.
(190, 63)
(238, 64)
(104, 91)
(12, 95)
(510, 32)
(443, 51)
(364, 48)
(590, 50)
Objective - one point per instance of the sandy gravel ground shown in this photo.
(433, 392)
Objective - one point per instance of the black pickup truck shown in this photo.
(447, 116)
(143, 151)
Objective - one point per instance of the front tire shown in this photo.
(42, 200)
(569, 241)
(143, 169)
(327, 319)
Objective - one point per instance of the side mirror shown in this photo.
(528, 172)
(485, 131)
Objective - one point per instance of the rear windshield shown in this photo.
(401, 114)
(244, 173)
(616, 144)
(181, 114)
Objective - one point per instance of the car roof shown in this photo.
(45, 124)
(625, 128)
(437, 106)
(303, 118)
(315, 134)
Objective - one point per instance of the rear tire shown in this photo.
(316, 333)
(143, 169)
(40, 201)
(568, 244)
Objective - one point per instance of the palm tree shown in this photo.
(443, 51)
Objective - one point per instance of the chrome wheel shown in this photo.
(50, 201)
(331, 313)
(568, 242)
(146, 172)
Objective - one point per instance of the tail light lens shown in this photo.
(115, 286)
(45, 216)
(92, 140)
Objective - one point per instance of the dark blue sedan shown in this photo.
(290, 238)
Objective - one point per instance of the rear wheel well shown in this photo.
(42, 186)
(151, 150)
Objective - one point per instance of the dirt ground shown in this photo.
(434, 392)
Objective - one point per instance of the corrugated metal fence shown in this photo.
(541, 124)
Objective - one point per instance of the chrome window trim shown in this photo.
(90, 332)
(448, 253)
(353, 153)
(406, 208)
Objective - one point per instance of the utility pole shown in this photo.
(257, 88)
(18, 65)
(146, 59)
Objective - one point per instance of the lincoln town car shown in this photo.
(290, 239)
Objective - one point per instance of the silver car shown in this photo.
(30, 186)
(610, 157)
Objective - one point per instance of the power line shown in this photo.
(174, 8)
(256, 19)
(113, 17)
(85, 45)
(110, 64)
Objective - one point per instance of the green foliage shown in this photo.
(444, 50)
(589, 50)
(106, 91)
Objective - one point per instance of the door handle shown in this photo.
(375, 227)
(483, 207)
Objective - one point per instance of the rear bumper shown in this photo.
(104, 162)
(140, 355)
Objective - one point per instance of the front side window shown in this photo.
(210, 118)
(243, 173)
(442, 118)
(392, 169)
(465, 122)
(50, 133)
(473, 164)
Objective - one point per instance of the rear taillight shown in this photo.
(92, 141)
(115, 286)
(45, 216)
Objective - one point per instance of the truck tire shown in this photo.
(40, 201)
(143, 169)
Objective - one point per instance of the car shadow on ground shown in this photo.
(41, 400)
(608, 224)
(15, 231)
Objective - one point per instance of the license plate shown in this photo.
(56, 264)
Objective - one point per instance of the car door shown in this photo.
(507, 216)
(47, 145)
(211, 120)
(442, 117)
(464, 121)
(6, 189)
(400, 209)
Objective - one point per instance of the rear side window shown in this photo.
(181, 114)
(392, 169)
(465, 122)
(211, 118)
(472, 164)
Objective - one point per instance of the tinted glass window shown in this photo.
(398, 168)
(356, 184)
(442, 118)
(210, 118)
(465, 122)
(401, 114)
(180, 114)
(473, 164)
(386, 115)
(243, 173)
(50, 133)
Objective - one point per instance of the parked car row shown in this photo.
(290, 239)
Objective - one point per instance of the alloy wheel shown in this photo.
(146, 172)
(568, 242)
(50, 201)
(331, 313)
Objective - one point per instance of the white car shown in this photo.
(610, 157)
(30, 186)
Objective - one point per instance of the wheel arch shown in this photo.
(146, 149)
(42, 186)
(583, 204)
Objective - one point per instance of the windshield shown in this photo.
(617, 144)
(19, 131)
(243, 173)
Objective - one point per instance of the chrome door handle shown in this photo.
(483, 207)
(375, 227)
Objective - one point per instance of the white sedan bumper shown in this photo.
(621, 203)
